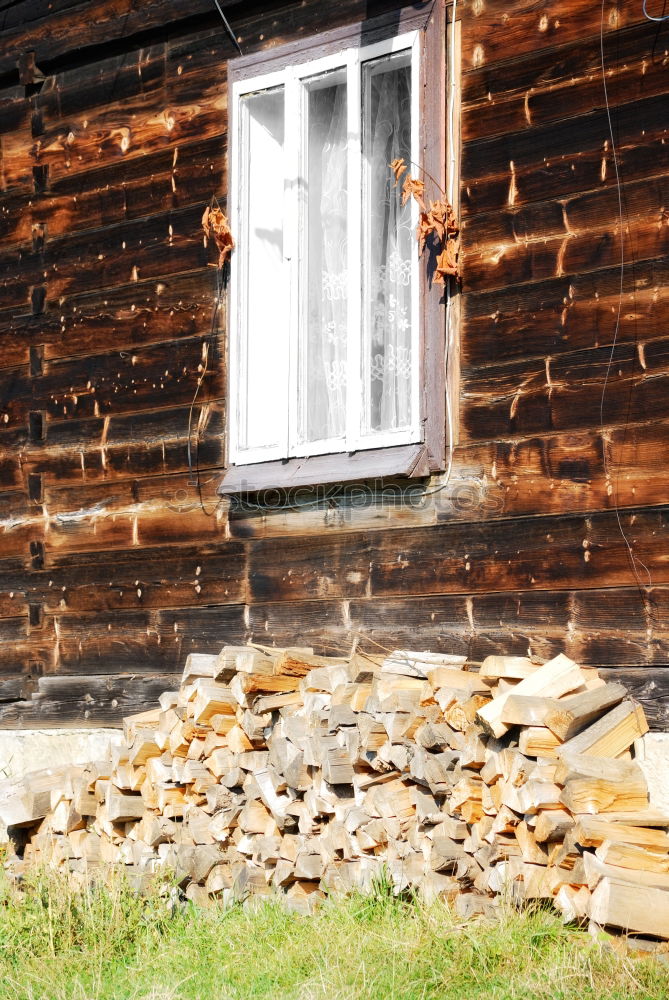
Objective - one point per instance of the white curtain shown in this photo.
(325, 410)
(389, 248)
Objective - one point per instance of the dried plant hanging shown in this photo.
(216, 226)
(436, 223)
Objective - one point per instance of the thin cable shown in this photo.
(658, 20)
(229, 30)
(633, 559)
(201, 378)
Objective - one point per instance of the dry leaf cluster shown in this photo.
(216, 226)
(438, 221)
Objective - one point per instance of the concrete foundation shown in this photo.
(24, 750)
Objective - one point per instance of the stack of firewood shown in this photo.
(278, 770)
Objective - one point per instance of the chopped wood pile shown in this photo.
(278, 770)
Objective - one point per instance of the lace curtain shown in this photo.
(387, 353)
(387, 254)
(327, 258)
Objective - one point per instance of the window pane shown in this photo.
(388, 247)
(324, 352)
(264, 284)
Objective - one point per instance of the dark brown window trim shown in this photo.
(417, 460)
(360, 33)
(408, 460)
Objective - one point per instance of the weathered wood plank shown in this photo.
(156, 510)
(627, 627)
(23, 649)
(141, 578)
(15, 139)
(73, 27)
(11, 469)
(124, 116)
(562, 82)
(77, 26)
(141, 444)
(499, 480)
(316, 568)
(132, 189)
(518, 399)
(500, 264)
(505, 479)
(506, 31)
(15, 216)
(334, 509)
(19, 13)
(136, 73)
(14, 593)
(154, 247)
(108, 384)
(15, 688)
(145, 443)
(113, 642)
(89, 701)
(20, 523)
(129, 129)
(571, 217)
(545, 474)
(572, 312)
(322, 624)
(650, 687)
(123, 317)
(560, 472)
(565, 157)
(544, 553)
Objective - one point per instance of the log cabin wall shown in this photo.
(115, 564)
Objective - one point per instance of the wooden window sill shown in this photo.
(409, 460)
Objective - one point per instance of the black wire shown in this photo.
(229, 30)
(634, 559)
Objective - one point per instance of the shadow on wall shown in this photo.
(374, 8)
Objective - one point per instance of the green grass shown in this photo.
(60, 944)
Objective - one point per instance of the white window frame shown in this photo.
(284, 405)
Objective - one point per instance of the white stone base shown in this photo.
(24, 750)
(652, 754)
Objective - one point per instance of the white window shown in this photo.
(325, 304)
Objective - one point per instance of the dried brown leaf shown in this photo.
(442, 217)
(424, 229)
(447, 261)
(398, 167)
(413, 188)
(216, 226)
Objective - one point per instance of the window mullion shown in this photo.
(293, 246)
(417, 347)
(354, 244)
(235, 202)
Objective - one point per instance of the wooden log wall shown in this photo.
(552, 532)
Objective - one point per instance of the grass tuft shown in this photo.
(103, 942)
